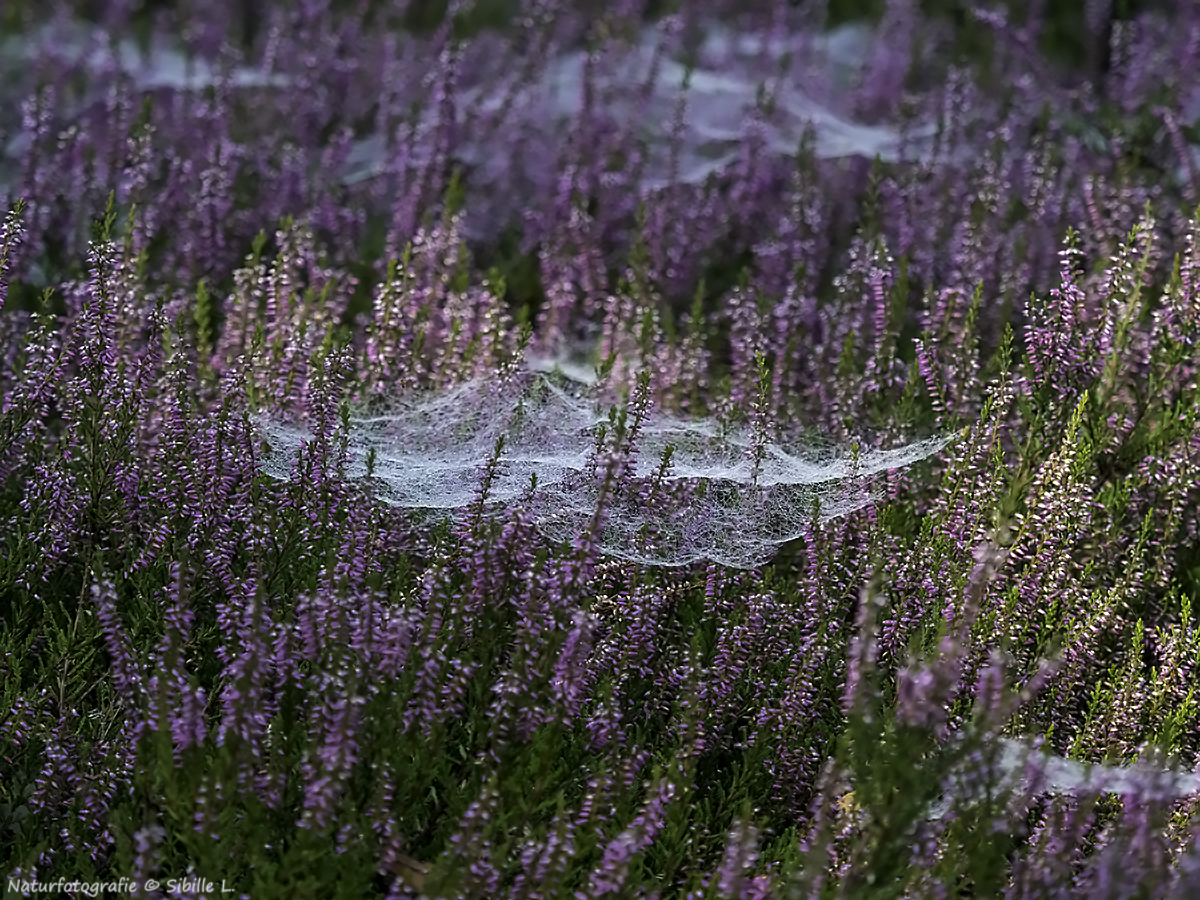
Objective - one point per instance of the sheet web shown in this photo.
(427, 454)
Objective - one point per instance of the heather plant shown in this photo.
(420, 477)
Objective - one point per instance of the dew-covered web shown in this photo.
(1022, 766)
(428, 452)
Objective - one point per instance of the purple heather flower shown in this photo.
(741, 853)
(613, 869)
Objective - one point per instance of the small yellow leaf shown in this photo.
(847, 804)
(411, 871)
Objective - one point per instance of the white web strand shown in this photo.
(1022, 767)
(429, 453)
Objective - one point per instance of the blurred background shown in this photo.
(1076, 39)
(1074, 32)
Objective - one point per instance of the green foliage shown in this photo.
(1016, 476)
